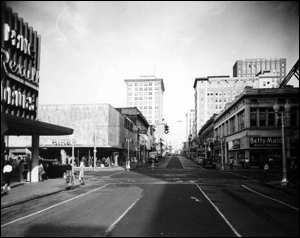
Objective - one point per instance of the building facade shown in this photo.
(213, 92)
(251, 67)
(147, 94)
(20, 80)
(100, 131)
(190, 125)
(249, 127)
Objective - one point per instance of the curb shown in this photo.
(68, 187)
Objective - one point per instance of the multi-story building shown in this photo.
(213, 92)
(146, 93)
(190, 125)
(250, 128)
(251, 67)
(99, 131)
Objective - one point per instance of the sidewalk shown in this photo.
(274, 180)
(25, 191)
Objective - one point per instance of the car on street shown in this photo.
(209, 163)
(199, 160)
(54, 169)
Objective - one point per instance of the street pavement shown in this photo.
(22, 192)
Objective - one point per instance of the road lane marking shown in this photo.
(221, 214)
(33, 214)
(124, 213)
(297, 209)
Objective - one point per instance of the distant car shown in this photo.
(199, 160)
(209, 163)
(53, 168)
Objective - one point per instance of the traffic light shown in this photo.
(166, 129)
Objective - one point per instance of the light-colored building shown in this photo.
(98, 128)
(250, 128)
(213, 92)
(146, 93)
(267, 79)
(251, 67)
(190, 125)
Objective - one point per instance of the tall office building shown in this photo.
(251, 67)
(190, 125)
(213, 92)
(146, 93)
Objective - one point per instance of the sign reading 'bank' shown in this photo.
(265, 142)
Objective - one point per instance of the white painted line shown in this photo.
(221, 214)
(124, 213)
(33, 214)
(297, 209)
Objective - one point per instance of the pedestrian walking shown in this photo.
(21, 170)
(128, 165)
(7, 170)
(81, 173)
(152, 164)
(266, 172)
(231, 163)
(41, 171)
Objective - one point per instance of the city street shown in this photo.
(176, 199)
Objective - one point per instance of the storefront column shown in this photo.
(226, 153)
(35, 158)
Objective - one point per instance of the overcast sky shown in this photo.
(89, 48)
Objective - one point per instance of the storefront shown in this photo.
(20, 67)
(252, 131)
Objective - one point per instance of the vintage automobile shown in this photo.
(209, 163)
(53, 168)
(199, 160)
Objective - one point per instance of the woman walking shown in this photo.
(7, 170)
(81, 173)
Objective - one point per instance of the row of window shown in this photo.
(142, 84)
(259, 117)
(143, 89)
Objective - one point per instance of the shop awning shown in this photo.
(19, 126)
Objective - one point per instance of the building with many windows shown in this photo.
(213, 92)
(251, 67)
(190, 125)
(146, 93)
(250, 128)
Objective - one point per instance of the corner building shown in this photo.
(249, 127)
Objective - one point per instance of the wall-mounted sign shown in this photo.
(265, 142)
(236, 144)
(63, 142)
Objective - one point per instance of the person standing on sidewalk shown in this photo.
(21, 170)
(231, 163)
(152, 164)
(266, 172)
(7, 170)
(81, 173)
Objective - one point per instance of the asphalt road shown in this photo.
(177, 199)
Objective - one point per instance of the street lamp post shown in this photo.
(128, 139)
(222, 156)
(95, 150)
(284, 115)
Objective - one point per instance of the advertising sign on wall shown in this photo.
(265, 142)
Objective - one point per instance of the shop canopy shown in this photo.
(19, 126)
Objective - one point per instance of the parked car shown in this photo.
(53, 168)
(209, 163)
(199, 160)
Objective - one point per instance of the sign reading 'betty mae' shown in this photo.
(265, 142)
